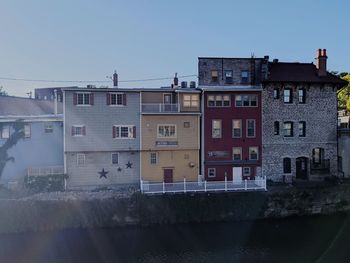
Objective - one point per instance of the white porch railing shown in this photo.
(159, 108)
(257, 184)
(44, 171)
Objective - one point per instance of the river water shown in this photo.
(312, 239)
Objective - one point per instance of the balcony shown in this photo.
(45, 171)
(322, 167)
(160, 108)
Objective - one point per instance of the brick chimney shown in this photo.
(115, 79)
(321, 62)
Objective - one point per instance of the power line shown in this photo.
(92, 81)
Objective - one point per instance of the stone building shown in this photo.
(231, 117)
(300, 120)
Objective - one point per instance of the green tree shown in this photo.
(3, 92)
(344, 94)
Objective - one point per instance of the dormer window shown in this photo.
(228, 76)
(244, 76)
(214, 76)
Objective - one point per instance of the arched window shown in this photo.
(287, 165)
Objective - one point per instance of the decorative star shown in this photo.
(129, 165)
(103, 173)
(119, 169)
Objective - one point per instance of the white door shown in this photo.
(237, 175)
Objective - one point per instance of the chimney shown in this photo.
(55, 102)
(321, 62)
(115, 79)
(176, 80)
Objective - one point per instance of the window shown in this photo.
(191, 100)
(118, 99)
(287, 96)
(253, 153)
(251, 128)
(5, 132)
(153, 158)
(288, 129)
(187, 124)
(276, 128)
(244, 76)
(301, 95)
(48, 128)
(237, 128)
(82, 98)
(216, 129)
(115, 158)
(78, 130)
(246, 100)
(124, 131)
(211, 172)
(214, 76)
(237, 153)
(317, 155)
(246, 171)
(166, 131)
(287, 166)
(228, 76)
(219, 101)
(27, 131)
(80, 159)
(302, 128)
(276, 93)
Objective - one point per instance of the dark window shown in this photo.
(302, 128)
(244, 76)
(214, 76)
(302, 95)
(287, 96)
(228, 77)
(276, 128)
(115, 158)
(288, 129)
(317, 155)
(276, 93)
(250, 128)
(287, 167)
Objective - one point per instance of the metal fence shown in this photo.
(44, 171)
(257, 184)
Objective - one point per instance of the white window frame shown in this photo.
(233, 153)
(78, 126)
(27, 130)
(290, 101)
(155, 158)
(222, 100)
(212, 129)
(130, 132)
(249, 169)
(5, 130)
(257, 153)
(240, 128)
(165, 125)
(250, 96)
(211, 169)
(84, 99)
(116, 94)
(81, 159)
(248, 126)
(192, 100)
(112, 158)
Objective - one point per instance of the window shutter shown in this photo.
(84, 130)
(114, 131)
(117, 132)
(108, 98)
(91, 99)
(73, 131)
(134, 131)
(124, 99)
(75, 98)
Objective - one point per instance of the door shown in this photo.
(167, 102)
(301, 168)
(237, 175)
(168, 175)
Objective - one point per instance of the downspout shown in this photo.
(55, 102)
(202, 135)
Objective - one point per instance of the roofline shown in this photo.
(13, 118)
(82, 89)
(230, 58)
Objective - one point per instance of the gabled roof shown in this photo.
(299, 72)
(17, 106)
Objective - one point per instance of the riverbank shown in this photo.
(110, 208)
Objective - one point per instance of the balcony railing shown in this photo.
(257, 184)
(159, 108)
(320, 167)
(45, 171)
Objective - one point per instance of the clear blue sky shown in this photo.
(83, 40)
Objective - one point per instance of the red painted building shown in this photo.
(231, 120)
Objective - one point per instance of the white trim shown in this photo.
(116, 99)
(212, 128)
(240, 120)
(120, 132)
(84, 158)
(257, 153)
(150, 158)
(78, 126)
(213, 169)
(249, 95)
(64, 132)
(240, 154)
(170, 137)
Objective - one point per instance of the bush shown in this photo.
(49, 183)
